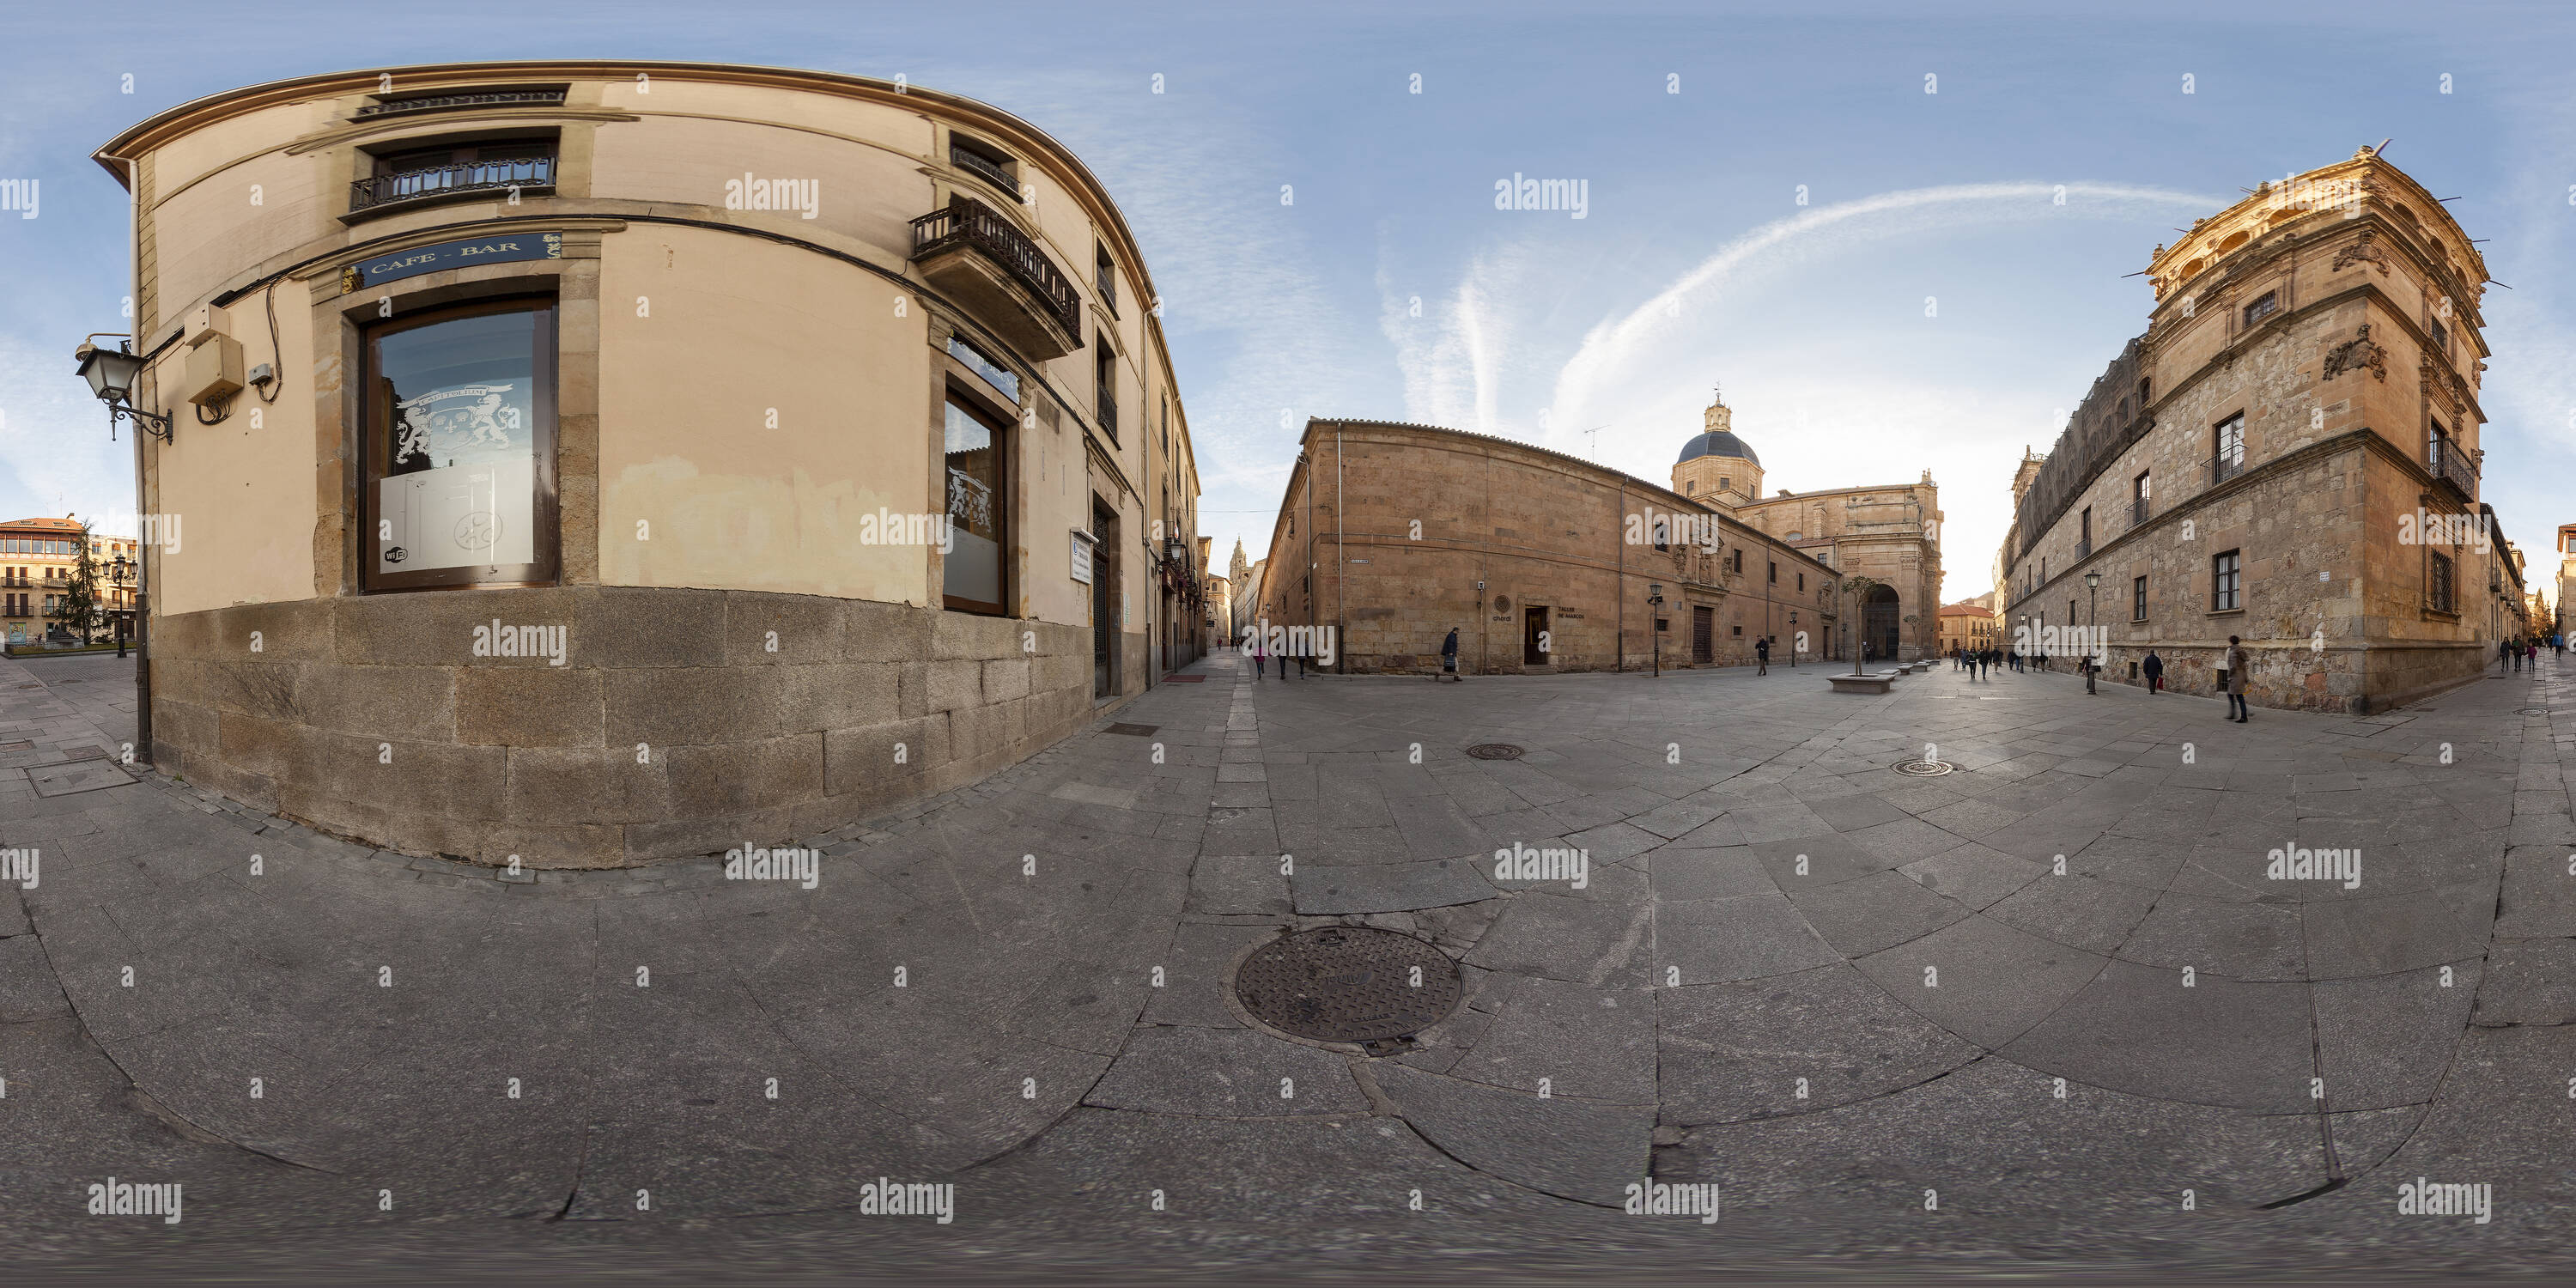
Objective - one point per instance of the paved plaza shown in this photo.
(2051, 1009)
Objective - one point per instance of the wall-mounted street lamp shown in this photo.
(1654, 624)
(111, 375)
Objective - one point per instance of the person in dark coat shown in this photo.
(1449, 654)
(2155, 672)
(1762, 656)
(2240, 668)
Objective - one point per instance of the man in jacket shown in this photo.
(2154, 668)
(1449, 655)
(1762, 656)
(2240, 666)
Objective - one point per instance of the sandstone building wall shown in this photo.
(1405, 521)
(2345, 336)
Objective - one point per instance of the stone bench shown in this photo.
(1849, 683)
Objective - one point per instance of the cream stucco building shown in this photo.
(618, 460)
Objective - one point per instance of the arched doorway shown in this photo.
(1878, 621)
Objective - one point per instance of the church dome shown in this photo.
(1716, 444)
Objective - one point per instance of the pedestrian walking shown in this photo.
(2240, 665)
(2504, 656)
(1449, 655)
(2012, 658)
(1762, 656)
(1260, 656)
(2154, 668)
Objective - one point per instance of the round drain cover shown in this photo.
(1495, 751)
(2531, 711)
(1348, 984)
(1926, 768)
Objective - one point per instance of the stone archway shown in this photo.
(1879, 621)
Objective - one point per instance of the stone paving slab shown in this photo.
(1764, 912)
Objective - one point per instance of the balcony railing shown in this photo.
(463, 176)
(985, 170)
(2225, 466)
(1109, 415)
(2083, 547)
(1108, 291)
(2452, 466)
(446, 102)
(2137, 511)
(972, 223)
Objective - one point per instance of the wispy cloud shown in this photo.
(1616, 348)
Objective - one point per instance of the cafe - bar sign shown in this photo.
(446, 255)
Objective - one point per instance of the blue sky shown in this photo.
(1393, 289)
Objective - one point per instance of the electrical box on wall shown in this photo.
(214, 369)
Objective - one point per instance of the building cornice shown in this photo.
(118, 155)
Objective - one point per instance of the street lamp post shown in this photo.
(121, 572)
(2093, 615)
(111, 377)
(1655, 623)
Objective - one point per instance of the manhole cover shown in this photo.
(1496, 751)
(1348, 984)
(1925, 768)
(2531, 711)
(1134, 730)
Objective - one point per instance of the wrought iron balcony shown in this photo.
(970, 249)
(523, 173)
(2452, 468)
(2137, 511)
(983, 168)
(1108, 415)
(2225, 466)
(2083, 547)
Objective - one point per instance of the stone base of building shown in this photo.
(2298, 677)
(679, 722)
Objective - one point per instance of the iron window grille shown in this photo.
(986, 165)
